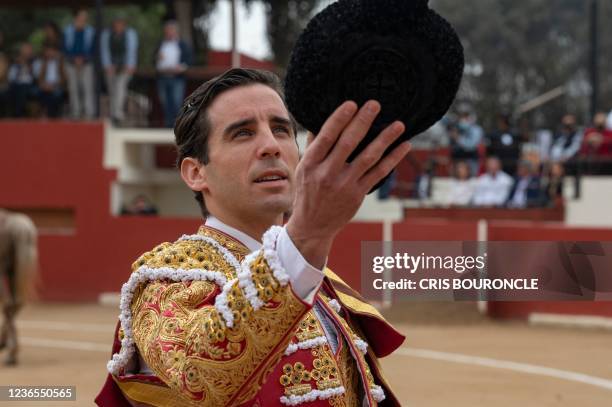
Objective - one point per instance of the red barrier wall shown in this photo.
(59, 165)
(505, 230)
(434, 229)
(345, 257)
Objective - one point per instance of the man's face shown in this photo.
(80, 20)
(252, 154)
(569, 122)
(463, 172)
(25, 51)
(493, 165)
(600, 120)
(119, 26)
(170, 32)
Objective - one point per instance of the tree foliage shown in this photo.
(285, 21)
(516, 50)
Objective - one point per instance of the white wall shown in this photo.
(594, 208)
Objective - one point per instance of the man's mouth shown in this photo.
(270, 178)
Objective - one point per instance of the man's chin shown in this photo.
(279, 206)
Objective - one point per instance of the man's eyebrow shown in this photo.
(236, 125)
(280, 120)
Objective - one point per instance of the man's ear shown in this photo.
(193, 173)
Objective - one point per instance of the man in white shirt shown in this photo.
(492, 187)
(172, 58)
(226, 317)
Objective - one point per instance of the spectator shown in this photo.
(384, 191)
(526, 191)
(140, 205)
(52, 35)
(553, 185)
(21, 79)
(493, 186)
(424, 181)
(597, 140)
(465, 138)
(504, 144)
(119, 54)
(567, 143)
(609, 121)
(462, 186)
(4, 82)
(172, 58)
(50, 73)
(79, 49)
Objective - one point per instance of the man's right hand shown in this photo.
(329, 191)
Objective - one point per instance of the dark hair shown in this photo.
(76, 11)
(192, 126)
(504, 118)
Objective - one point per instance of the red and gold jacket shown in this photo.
(205, 323)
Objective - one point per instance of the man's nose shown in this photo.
(269, 146)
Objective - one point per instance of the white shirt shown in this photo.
(461, 192)
(52, 73)
(492, 190)
(169, 55)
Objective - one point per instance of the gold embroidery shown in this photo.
(295, 379)
(350, 378)
(325, 371)
(308, 328)
(237, 249)
(185, 341)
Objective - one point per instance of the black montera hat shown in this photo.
(399, 52)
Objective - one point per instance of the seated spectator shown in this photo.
(504, 144)
(553, 185)
(22, 86)
(4, 83)
(462, 186)
(51, 79)
(493, 186)
(597, 140)
(526, 191)
(119, 54)
(140, 205)
(567, 142)
(172, 58)
(465, 137)
(424, 181)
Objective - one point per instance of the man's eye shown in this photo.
(242, 133)
(281, 129)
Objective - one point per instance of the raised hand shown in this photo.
(329, 191)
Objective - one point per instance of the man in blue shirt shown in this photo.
(79, 40)
(119, 54)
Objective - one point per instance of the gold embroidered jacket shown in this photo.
(218, 326)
